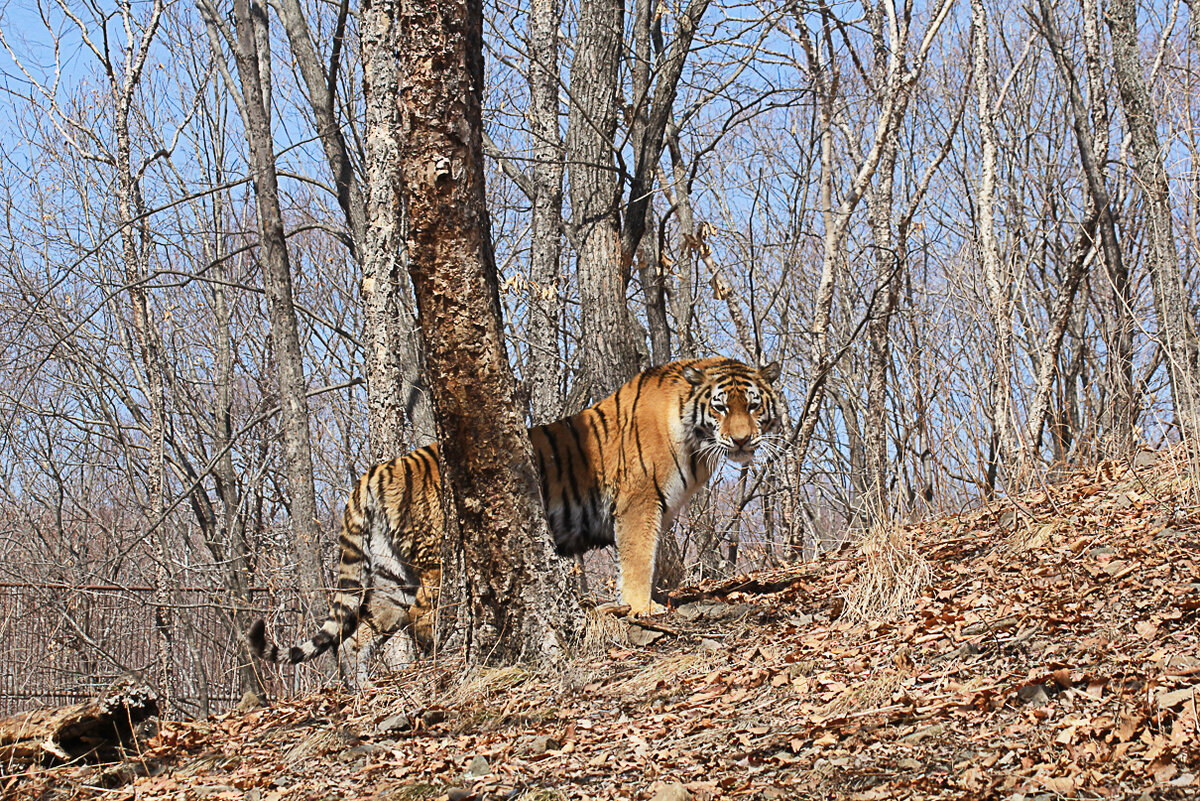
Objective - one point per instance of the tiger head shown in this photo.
(735, 410)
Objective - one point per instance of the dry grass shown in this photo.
(602, 631)
(483, 683)
(667, 670)
(869, 694)
(891, 576)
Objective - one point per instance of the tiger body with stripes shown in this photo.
(618, 472)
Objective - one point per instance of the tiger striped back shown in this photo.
(618, 472)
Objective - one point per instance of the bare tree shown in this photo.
(252, 56)
(545, 241)
(1120, 366)
(500, 600)
(1176, 328)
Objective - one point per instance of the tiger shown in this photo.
(617, 473)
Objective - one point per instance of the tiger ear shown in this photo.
(694, 377)
(770, 372)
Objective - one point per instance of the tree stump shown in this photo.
(96, 731)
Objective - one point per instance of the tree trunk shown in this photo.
(997, 277)
(613, 350)
(1119, 364)
(1175, 328)
(886, 295)
(277, 280)
(401, 416)
(501, 583)
(545, 299)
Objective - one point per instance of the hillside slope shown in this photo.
(1042, 648)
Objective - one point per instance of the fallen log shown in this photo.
(99, 730)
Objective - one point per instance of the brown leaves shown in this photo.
(1055, 649)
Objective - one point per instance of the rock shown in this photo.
(393, 723)
(1034, 694)
(704, 608)
(1145, 459)
(543, 743)
(669, 791)
(640, 636)
(360, 750)
(432, 717)
(710, 645)
(732, 612)
(460, 794)
(477, 767)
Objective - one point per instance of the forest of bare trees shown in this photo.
(966, 229)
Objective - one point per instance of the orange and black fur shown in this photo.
(619, 472)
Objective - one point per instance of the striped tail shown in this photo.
(332, 633)
(344, 609)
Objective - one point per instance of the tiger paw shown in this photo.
(650, 610)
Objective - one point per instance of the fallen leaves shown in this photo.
(1053, 648)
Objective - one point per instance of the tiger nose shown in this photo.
(740, 442)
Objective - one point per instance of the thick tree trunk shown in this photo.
(500, 599)
(277, 280)
(613, 350)
(545, 299)
(401, 415)
(1175, 327)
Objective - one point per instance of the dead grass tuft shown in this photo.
(870, 694)
(891, 576)
(666, 670)
(602, 631)
(482, 683)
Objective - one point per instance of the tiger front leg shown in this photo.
(637, 547)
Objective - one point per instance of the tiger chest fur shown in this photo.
(618, 472)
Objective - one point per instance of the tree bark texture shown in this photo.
(401, 415)
(545, 299)
(1175, 328)
(997, 278)
(613, 351)
(277, 280)
(500, 601)
(100, 730)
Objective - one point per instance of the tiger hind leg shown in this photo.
(384, 617)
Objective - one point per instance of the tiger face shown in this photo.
(735, 411)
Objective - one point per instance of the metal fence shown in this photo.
(61, 644)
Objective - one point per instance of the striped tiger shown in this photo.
(619, 472)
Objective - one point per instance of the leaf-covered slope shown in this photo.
(1041, 648)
